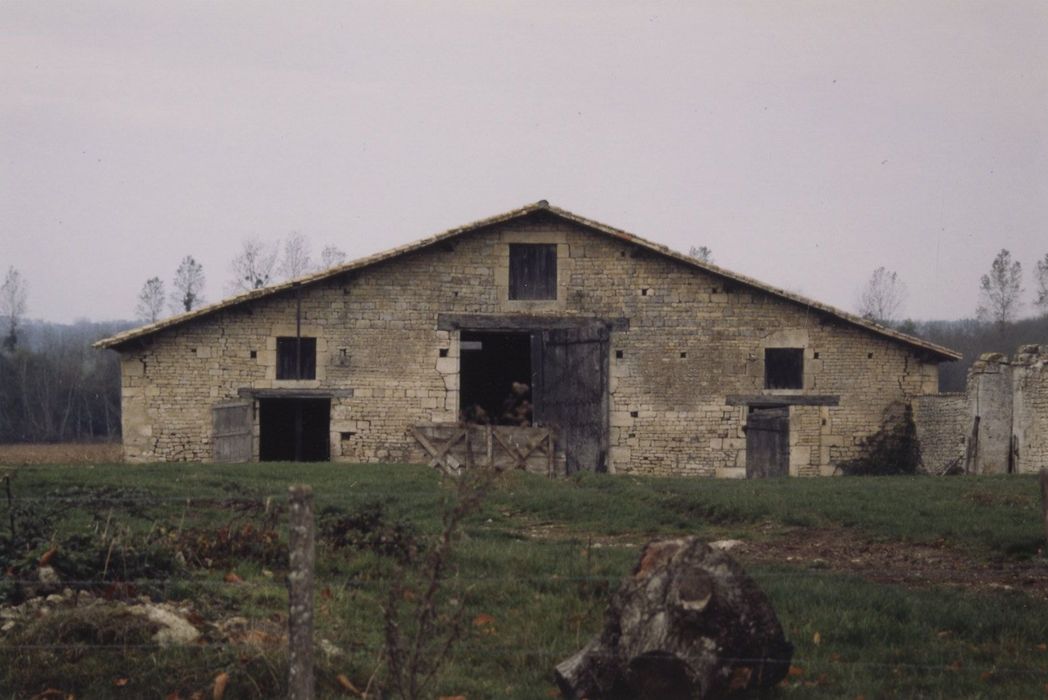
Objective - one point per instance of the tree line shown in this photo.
(54, 387)
(257, 264)
(995, 327)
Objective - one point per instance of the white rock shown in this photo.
(173, 628)
(47, 574)
(726, 545)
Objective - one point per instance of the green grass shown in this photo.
(546, 594)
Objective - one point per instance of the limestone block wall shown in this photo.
(692, 341)
(942, 424)
(999, 425)
(1030, 413)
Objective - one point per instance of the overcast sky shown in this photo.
(806, 143)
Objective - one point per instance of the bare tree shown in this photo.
(151, 300)
(13, 294)
(331, 256)
(1040, 274)
(189, 285)
(253, 266)
(882, 297)
(702, 253)
(297, 259)
(1000, 290)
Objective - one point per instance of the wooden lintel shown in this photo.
(772, 400)
(290, 393)
(525, 322)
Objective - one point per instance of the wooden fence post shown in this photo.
(1044, 505)
(302, 557)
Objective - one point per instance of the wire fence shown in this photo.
(193, 583)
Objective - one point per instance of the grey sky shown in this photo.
(806, 143)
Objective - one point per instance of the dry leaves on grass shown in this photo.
(219, 688)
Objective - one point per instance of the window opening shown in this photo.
(495, 379)
(784, 368)
(532, 271)
(296, 358)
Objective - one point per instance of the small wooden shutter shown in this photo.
(532, 271)
(231, 435)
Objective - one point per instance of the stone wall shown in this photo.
(692, 341)
(1030, 412)
(1000, 424)
(942, 424)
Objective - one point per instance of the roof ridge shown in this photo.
(541, 205)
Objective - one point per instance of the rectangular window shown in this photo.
(296, 358)
(532, 271)
(783, 368)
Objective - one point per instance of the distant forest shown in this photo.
(54, 387)
(973, 338)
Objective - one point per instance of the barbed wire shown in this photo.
(510, 651)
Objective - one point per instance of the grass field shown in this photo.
(911, 586)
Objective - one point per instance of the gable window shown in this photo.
(532, 271)
(784, 368)
(296, 358)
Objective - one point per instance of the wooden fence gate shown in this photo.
(453, 447)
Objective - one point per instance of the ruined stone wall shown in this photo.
(1030, 412)
(942, 424)
(692, 341)
(999, 425)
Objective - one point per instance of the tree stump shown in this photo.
(688, 623)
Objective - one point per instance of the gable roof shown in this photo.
(936, 351)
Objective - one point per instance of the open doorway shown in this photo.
(495, 379)
(294, 430)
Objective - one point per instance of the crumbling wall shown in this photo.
(1030, 413)
(990, 401)
(941, 421)
(998, 426)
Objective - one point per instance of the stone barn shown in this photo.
(552, 340)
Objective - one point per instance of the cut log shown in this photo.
(688, 623)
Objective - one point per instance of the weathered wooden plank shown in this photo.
(572, 393)
(767, 442)
(232, 438)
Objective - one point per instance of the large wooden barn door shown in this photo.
(768, 442)
(231, 431)
(570, 389)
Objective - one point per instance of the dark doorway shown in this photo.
(768, 442)
(495, 379)
(294, 430)
(571, 392)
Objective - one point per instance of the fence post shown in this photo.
(1044, 505)
(302, 557)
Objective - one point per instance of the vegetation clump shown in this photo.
(368, 528)
(892, 450)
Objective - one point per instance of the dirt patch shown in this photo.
(906, 563)
(61, 453)
(844, 551)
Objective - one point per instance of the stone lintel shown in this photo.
(524, 322)
(249, 393)
(763, 400)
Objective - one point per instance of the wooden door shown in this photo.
(570, 390)
(768, 442)
(231, 435)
